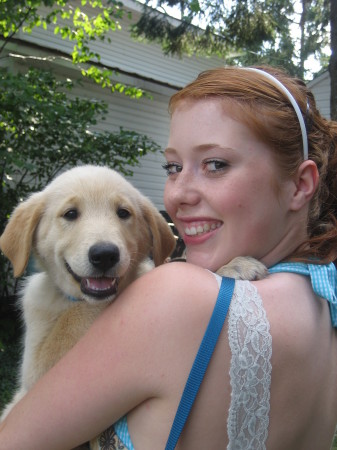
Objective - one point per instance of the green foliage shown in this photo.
(180, 38)
(244, 32)
(239, 25)
(10, 348)
(9, 361)
(74, 24)
(42, 131)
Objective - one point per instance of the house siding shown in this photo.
(128, 55)
(320, 87)
(139, 63)
(145, 116)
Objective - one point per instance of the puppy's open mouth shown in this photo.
(98, 287)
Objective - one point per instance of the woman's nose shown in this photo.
(184, 189)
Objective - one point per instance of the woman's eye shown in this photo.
(172, 168)
(215, 165)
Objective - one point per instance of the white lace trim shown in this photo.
(250, 372)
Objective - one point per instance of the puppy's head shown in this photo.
(89, 229)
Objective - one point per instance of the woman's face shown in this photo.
(221, 188)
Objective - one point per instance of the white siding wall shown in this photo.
(320, 87)
(146, 116)
(135, 57)
(145, 66)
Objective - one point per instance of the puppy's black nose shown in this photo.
(104, 255)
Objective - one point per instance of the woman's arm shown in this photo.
(127, 357)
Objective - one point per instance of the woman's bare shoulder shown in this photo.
(295, 313)
(173, 288)
(177, 276)
(165, 305)
(166, 312)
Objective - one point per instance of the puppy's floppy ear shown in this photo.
(163, 241)
(17, 239)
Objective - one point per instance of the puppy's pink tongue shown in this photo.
(99, 287)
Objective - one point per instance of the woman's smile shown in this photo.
(197, 227)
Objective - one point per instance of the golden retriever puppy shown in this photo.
(91, 233)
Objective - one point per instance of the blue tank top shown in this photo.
(116, 437)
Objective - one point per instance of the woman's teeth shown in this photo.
(200, 229)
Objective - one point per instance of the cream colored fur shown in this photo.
(43, 225)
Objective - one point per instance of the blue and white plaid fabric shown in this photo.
(121, 428)
(323, 280)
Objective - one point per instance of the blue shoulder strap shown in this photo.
(201, 361)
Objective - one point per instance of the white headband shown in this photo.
(293, 102)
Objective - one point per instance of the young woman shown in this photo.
(251, 170)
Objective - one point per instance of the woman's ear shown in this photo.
(306, 182)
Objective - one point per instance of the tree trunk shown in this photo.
(302, 38)
(333, 60)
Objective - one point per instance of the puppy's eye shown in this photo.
(123, 213)
(71, 214)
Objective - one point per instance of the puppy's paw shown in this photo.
(244, 268)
